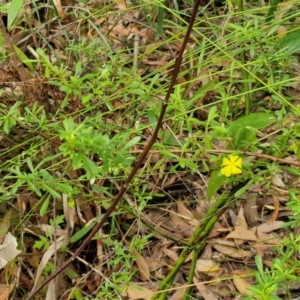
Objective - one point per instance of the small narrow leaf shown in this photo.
(45, 206)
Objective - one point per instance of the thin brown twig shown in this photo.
(139, 162)
(284, 161)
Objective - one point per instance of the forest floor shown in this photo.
(215, 202)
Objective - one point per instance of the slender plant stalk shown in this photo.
(245, 73)
(197, 241)
(138, 163)
(191, 273)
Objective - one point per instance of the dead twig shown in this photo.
(139, 161)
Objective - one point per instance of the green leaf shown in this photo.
(292, 41)
(255, 120)
(29, 164)
(86, 99)
(78, 68)
(14, 107)
(90, 167)
(64, 187)
(152, 116)
(294, 47)
(215, 182)
(84, 230)
(34, 188)
(293, 170)
(23, 58)
(46, 159)
(8, 124)
(242, 190)
(212, 115)
(13, 11)
(76, 291)
(160, 21)
(202, 91)
(243, 137)
(259, 264)
(45, 206)
(51, 191)
(271, 12)
(132, 142)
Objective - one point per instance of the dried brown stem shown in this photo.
(139, 161)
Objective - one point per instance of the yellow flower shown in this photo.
(231, 165)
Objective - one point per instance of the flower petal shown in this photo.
(226, 171)
(233, 158)
(238, 162)
(226, 161)
(235, 170)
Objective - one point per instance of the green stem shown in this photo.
(196, 242)
(191, 273)
(245, 73)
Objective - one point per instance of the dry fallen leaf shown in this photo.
(135, 292)
(5, 224)
(269, 226)
(242, 285)
(178, 295)
(5, 290)
(205, 292)
(242, 234)
(229, 248)
(8, 250)
(207, 266)
(60, 10)
(240, 220)
(250, 209)
(60, 242)
(144, 269)
(264, 234)
(171, 254)
(184, 211)
(121, 4)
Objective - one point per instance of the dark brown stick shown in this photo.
(138, 163)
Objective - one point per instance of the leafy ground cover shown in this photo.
(213, 213)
